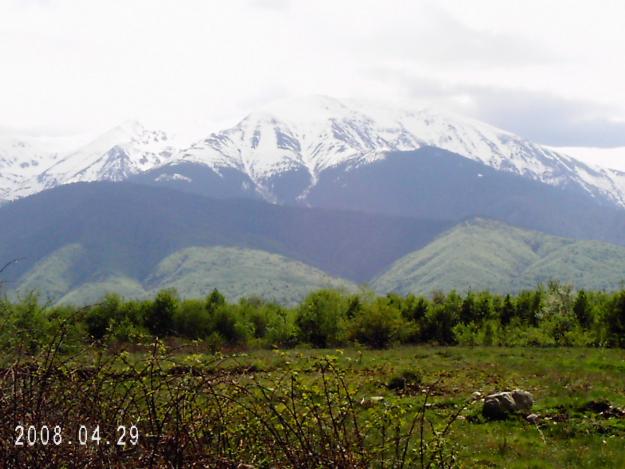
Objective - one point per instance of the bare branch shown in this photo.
(8, 264)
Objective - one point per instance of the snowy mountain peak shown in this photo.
(318, 132)
(302, 137)
(313, 133)
(122, 151)
(24, 157)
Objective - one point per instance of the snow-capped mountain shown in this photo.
(30, 165)
(316, 133)
(127, 149)
(281, 152)
(23, 158)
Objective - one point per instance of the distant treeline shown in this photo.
(549, 315)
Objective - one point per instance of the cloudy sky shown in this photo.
(551, 71)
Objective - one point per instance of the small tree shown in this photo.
(507, 311)
(581, 309)
(377, 325)
(229, 324)
(468, 311)
(99, 317)
(192, 320)
(214, 301)
(442, 317)
(615, 320)
(414, 308)
(321, 318)
(160, 315)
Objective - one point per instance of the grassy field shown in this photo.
(562, 380)
(294, 408)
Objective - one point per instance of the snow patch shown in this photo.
(172, 177)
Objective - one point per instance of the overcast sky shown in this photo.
(551, 71)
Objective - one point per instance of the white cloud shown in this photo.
(606, 157)
(70, 65)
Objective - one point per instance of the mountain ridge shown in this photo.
(318, 133)
(281, 151)
(248, 247)
(129, 228)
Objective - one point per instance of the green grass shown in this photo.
(488, 255)
(273, 385)
(560, 379)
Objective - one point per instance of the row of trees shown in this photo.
(550, 315)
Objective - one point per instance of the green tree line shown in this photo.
(551, 315)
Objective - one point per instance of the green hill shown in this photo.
(63, 276)
(57, 273)
(92, 292)
(484, 254)
(239, 272)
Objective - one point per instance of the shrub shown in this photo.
(281, 328)
(507, 311)
(466, 334)
(25, 325)
(377, 325)
(321, 318)
(615, 320)
(487, 335)
(160, 314)
(214, 342)
(99, 317)
(214, 301)
(256, 313)
(414, 308)
(125, 329)
(581, 309)
(441, 318)
(230, 325)
(192, 321)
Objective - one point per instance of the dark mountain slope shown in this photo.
(431, 182)
(129, 228)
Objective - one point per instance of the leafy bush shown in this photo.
(192, 320)
(226, 322)
(281, 328)
(467, 334)
(25, 325)
(322, 317)
(615, 320)
(160, 314)
(100, 316)
(441, 318)
(377, 325)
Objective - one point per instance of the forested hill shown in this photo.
(126, 230)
